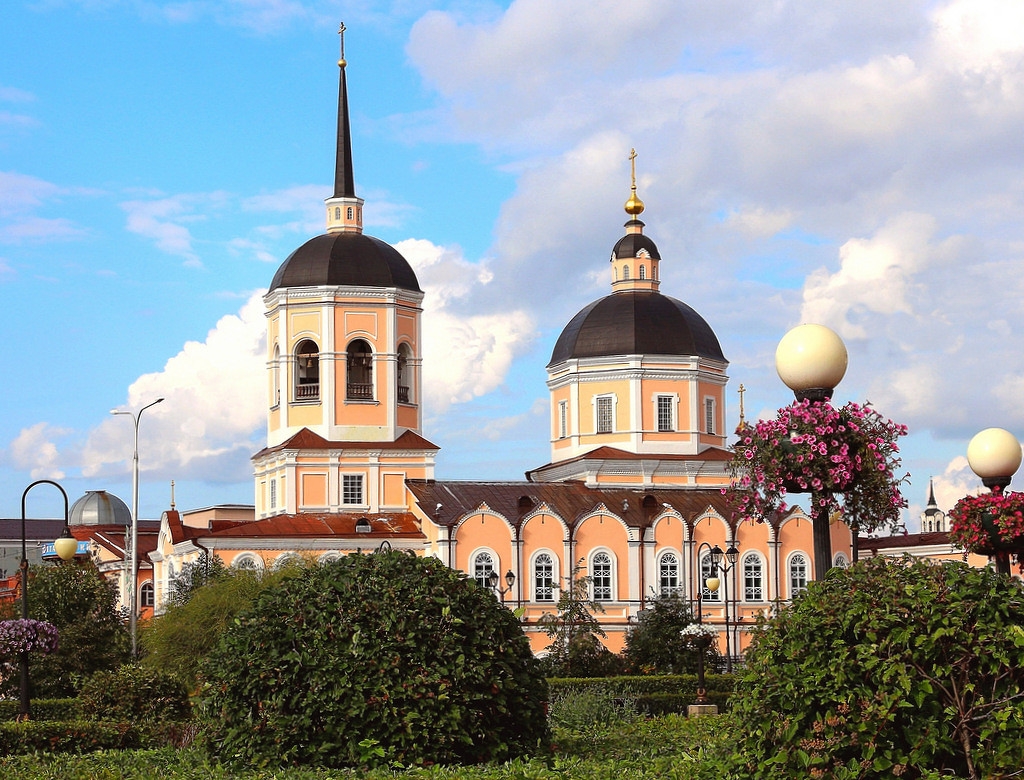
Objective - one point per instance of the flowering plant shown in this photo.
(695, 632)
(813, 447)
(21, 636)
(989, 522)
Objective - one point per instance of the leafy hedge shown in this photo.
(43, 709)
(134, 693)
(69, 736)
(372, 660)
(653, 694)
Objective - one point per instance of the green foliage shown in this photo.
(66, 736)
(203, 571)
(134, 694)
(574, 630)
(654, 644)
(388, 647)
(889, 668)
(582, 708)
(43, 709)
(650, 695)
(177, 641)
(82, 604)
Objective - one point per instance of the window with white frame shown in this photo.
(147, 597)
(668, 575)
(709, 415)
(248, 562)
(273, 494)
(643, 272)
(666, 413)
(483, 565)
(601, 576)
(563, 419)
(352, 489)
(797, 573)
(605, 413)
(840, 561)
(544, 577)
(707, 569)
(753, 577)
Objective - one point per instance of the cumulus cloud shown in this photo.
(166, 221)
(35, 449)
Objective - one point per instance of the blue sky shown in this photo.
(857, 164)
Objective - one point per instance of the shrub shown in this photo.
(43, 709)
(57, 736)
(655, 644)
(134, 694)
(177, 641)
(886, 669)
(375, 659)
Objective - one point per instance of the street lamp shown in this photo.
(994, 455)
(731, 554)
(510, 580)
(711, 582)
(65, 548)
(134, 557)
(811, 360)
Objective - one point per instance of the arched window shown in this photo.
(307, 371)
(601, 577)
(753, 577)
(840, 561)
(349, 213)
(625, 273)
(483, 565)
(668, 575)
(329, 557)
(286, 559)
(544, 577)
(643, 272)
(405, 395)
(337, 212)
(797, 573)
(275, 378)
(248, 562)
(146, 595)
(360, 372)
(707, 570)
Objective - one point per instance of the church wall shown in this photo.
(605, 533)
(484, 531)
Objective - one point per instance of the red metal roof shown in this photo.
(325, 524)
(307, 440)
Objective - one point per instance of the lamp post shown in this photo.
(133, 611)
(65, 549)
(994, 455)
(811, 360)
(711, 583)
(510, 580)
(731, 554)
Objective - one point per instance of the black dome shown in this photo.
(346, 259)
(636, 323)
(631, 244)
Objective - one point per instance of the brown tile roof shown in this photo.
(307, 440)
(903, 540)
(614, 453)
(570, 500)
(323, 524)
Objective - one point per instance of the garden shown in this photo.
(388, 664)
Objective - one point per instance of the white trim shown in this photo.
(531, 590)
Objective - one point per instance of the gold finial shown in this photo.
(743, 420)
(634, 206)
(341, 33)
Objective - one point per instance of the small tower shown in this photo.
(637, 381)
(344, 368)
(933, 519)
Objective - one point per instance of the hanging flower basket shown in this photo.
(848, 453)
(989, 523)
(21, 636)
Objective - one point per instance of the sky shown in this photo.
(859, 164)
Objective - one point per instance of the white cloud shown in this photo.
(166, 221)
(35, 450)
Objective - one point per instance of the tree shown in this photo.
(178, 641)
(92, 637)
(654, 645)
(887, 669)
(204, 570)
(379, 659)
(575, 649)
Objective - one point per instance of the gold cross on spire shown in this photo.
(341, 34)
(632, 167)
(741, 391)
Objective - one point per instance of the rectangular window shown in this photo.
(605, 409)
(753, 588)
(665, 416)
(709, 415)
(602, 577)
(543, 578)
(273, 493)
(563, 419)
(352, 488)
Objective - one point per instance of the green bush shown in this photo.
(77, 736)
(888, 669)
(654, 645)
(375, 659)
(134, 694)
(43, 709)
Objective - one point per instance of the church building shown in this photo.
(631, 497)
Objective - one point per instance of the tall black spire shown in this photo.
(344, 209)
(344, 179)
